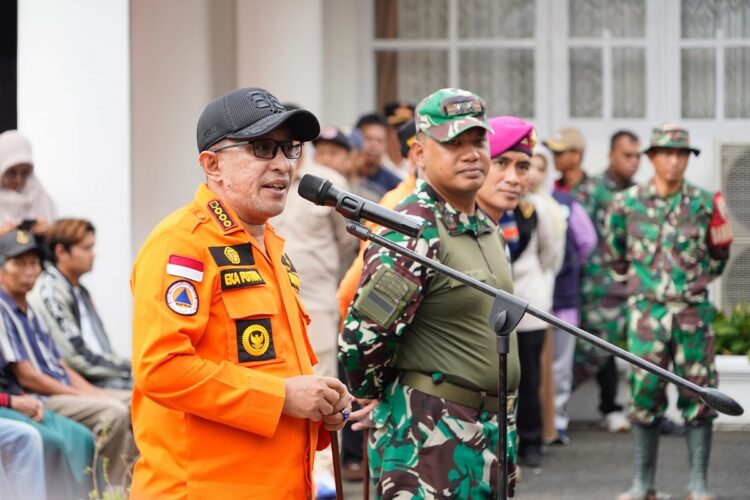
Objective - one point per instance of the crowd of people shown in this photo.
(261, 326)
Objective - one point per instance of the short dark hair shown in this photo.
(619, 134)
(371, 119)
(66, 232)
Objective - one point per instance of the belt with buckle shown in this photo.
(478, 400)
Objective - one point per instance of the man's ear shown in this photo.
(417, 149)
(59, 250)
(210, 164)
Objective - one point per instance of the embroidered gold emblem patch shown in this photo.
(232, 255)
(22, 238)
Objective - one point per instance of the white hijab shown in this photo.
(32, 201)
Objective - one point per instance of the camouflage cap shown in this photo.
(672, 136)
(448, 112)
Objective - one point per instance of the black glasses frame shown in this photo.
(284, 145)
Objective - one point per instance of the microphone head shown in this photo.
(313, 188)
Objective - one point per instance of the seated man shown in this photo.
(36, 365)
(67, 307)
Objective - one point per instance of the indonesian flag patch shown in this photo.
(185, 267)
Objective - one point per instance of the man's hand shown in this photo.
(361, 417)
(29, 406)
(313, 397)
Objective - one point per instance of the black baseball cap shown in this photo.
(397, 113)
(248, 113)
(406, 133)
(334, 135)
(17, 242)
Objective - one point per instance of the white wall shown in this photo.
(280, 48)
(182, 58)
(74, 104)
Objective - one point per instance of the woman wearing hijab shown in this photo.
(23, 200)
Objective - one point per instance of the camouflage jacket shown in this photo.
(367, 350)
(595, 194)
(660, 245)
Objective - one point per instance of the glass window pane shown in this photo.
(628, 83)
(585, 18)
(496, 19)
(623, 18)
(504, 78)
(411, 19)
(734, 18)
(698, 18)
(626, 18)
(698, 83)
(585, 98)
(737, 82)
(410, 75)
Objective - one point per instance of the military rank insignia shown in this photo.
(255, 340)
(182, 298)
(221, 215)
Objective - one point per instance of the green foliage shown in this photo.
(733, 332)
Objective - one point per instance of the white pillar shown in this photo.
(74, 104)
(280, 48)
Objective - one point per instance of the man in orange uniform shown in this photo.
(225, 404)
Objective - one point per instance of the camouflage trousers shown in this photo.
(425, 447)
(606, 318)
(676, 333)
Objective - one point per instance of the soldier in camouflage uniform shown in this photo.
(604, 300)
(668, 240)
(419, 341)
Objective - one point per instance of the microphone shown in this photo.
(323, 192)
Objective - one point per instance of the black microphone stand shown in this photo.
(507, 311)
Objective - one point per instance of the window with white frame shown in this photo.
(607, 58)
(421, 46)
(715, 59)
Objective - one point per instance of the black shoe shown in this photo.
(669, 428)
(531, 457)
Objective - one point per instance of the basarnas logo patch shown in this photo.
(255, 340)
(182, 298)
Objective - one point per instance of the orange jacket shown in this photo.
(217, 326)
(350, 282)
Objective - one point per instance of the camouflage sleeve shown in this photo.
(389, 294)
(615, 234)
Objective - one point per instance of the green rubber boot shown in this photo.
(699, 450)
(646, 447)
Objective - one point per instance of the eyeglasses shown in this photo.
(266, 149)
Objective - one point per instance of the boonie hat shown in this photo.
(511, 133)
(448, 112)
(566, 139)
(334, 135)
(17, 242)
(672, 136)
(15, 149)
(248, 113)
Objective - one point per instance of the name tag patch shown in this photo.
(240, 278)
(255, 340)
(234, 255)
(182, 298)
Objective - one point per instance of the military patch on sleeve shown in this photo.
(235, 255)
(182, 298)
(240, 278)
(384, 296)
(255, 340)
(225, 221)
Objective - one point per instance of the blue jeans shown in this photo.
(22, 467)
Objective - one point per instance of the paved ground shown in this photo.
(597, 466)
